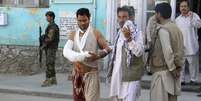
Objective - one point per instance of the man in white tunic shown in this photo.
(126, 60)
(166, 57)
(189, 22)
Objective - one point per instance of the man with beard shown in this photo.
(82, 49)
(188, 22)
(126, 61)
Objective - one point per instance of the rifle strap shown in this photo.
(155, 36)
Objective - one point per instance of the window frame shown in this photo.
(19, 4)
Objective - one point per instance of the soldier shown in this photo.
(50, 45)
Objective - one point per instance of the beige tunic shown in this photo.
(163, 85)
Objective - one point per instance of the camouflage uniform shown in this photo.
(51, 42)
(50, 62)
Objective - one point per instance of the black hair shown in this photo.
(164, 9)
(83, 11)
(50, 13)
(188, 3)
(131, 10)
(124, 9)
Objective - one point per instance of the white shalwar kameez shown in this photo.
(125, 91)
(189, 28)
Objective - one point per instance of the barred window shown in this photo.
(25, 3)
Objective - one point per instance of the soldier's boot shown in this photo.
(45, 83)
(53, 80)
(49, 82)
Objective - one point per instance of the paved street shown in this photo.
(16, 97)
(186, 96)
(34, 33)
(11, 86)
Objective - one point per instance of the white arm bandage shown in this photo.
(71, 55)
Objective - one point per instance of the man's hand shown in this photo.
(126, 32)
(43, 46)
(93, 57)
(70, 77)
(103, 53)
(190, 14)
(177, 72)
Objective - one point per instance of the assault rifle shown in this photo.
(40, 46)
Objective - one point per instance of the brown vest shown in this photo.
(176, 40)
(135, 71)
(91, 45)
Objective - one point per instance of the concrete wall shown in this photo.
(25, 60)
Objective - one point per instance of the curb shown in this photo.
(35, 93)
(187, 88)
(145, 84)
(41, 94)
